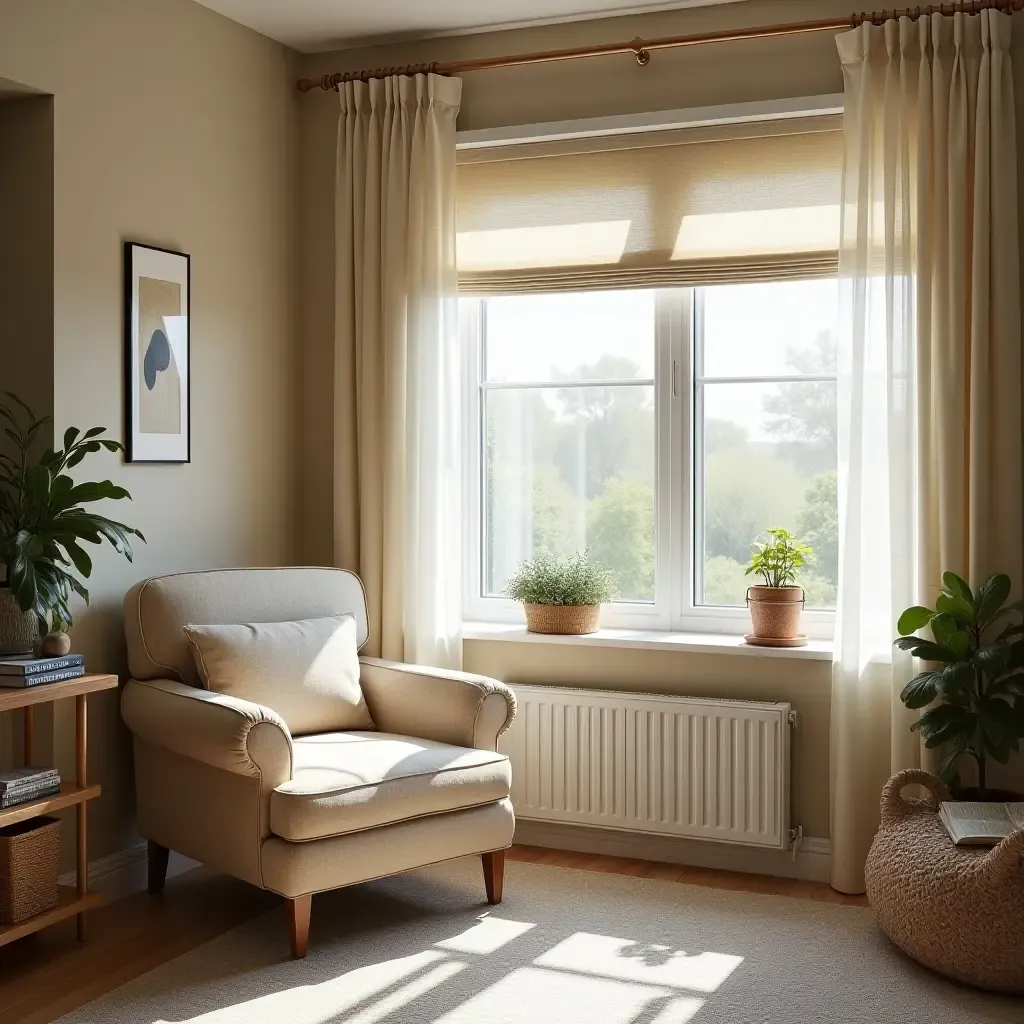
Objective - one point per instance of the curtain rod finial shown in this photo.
(643, 57)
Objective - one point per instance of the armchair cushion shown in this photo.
(307, 671)
(349, 781)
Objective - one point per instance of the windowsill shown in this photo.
(649, 640)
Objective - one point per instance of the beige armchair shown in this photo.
(223, 781)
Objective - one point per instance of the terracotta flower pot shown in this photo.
(564, 619)
(775, 612)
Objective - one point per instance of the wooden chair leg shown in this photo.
(157, 866)
(494, 874)
(298, 924)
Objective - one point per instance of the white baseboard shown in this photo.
(125, 872)
(813, 861)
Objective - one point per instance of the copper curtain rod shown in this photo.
(641, 48)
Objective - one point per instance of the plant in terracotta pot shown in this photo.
(974, 687)
(777, 604)
(561, 595)
(43, 526)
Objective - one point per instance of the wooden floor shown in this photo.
(49, 974)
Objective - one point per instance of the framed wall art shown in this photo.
(157, 356)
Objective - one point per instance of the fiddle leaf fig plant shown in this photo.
(977, 673)
(42, 521)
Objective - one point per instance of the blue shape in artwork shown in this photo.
(158, 358)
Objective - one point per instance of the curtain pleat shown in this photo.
(397, 369)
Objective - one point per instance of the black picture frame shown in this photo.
(167, 273)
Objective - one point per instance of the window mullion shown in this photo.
(674, 460)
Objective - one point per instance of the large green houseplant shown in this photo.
(976, 656)
(42, 521)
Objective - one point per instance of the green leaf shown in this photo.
(1014, 629)
(83, 563)
(991, 595)
(96, 491)
(945, 722)
(957, 586)
(927, 650)
(956, 679)
(921, 690)
(70, 436)
(92, 432)
(947, 632)
(914, 619)
(948, 769)
(956, 608)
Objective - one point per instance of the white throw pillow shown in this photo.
(307, 671)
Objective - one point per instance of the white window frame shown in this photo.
(678, 422)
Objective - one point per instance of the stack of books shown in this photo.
(34, 671)
(21, 785)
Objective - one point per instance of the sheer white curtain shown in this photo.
(930, 370)
(397, 368)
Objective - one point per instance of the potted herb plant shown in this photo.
(976, 675)
(777, 604)
(561, 595)
(43, 525)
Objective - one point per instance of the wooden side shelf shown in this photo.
(70, 904)
(73, 902)
(68, 796)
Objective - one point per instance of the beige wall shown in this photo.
(26, 294)
(176, 127)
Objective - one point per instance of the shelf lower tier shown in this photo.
(68, 796)
(70, 904)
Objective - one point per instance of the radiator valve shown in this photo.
(796, 837)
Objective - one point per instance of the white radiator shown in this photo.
(680, 766)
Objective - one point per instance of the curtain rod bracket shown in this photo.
(643, 57)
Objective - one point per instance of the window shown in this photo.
(662, 430)
(649, 325)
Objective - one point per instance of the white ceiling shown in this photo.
(315, 25)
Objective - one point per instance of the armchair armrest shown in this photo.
(224, 732)
(449, 707)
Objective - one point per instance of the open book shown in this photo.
(980, 824)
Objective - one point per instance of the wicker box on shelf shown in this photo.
(29, 865)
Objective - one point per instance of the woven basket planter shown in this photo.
(29, 863)
(565, 619)
(18, 630)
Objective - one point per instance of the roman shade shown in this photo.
(757, 201)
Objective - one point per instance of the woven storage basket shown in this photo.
(956, 909)
(562, 618)
(29, 860)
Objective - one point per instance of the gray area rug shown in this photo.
(566, 947)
